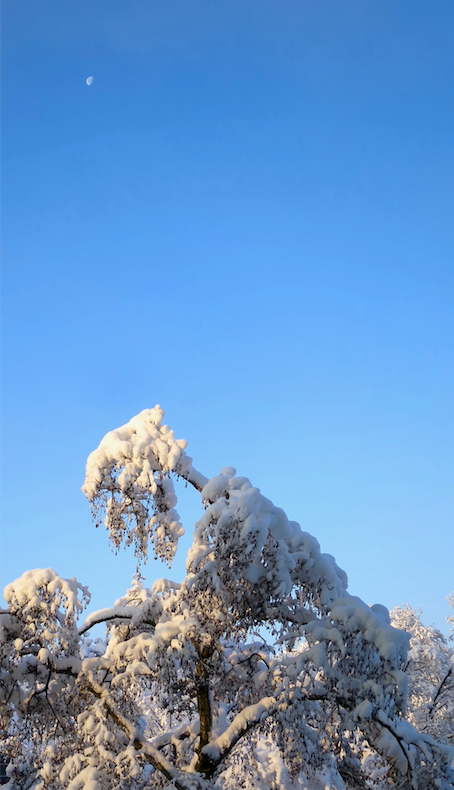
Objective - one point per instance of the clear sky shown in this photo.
(247, 218)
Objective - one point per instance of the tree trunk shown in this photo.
(204, 706)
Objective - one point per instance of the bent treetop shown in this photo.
(185, 689)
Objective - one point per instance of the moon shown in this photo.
(89, 80)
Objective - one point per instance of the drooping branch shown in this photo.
(130, 488)
(196, 479)
(104, 615)
(406, 736)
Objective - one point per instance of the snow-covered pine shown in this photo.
(184, 692)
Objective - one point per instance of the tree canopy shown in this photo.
(258, 669)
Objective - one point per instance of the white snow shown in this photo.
(248, 716)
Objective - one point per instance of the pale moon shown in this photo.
(89, 80)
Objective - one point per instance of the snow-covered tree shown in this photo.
(430, 668)
(451, 618)
(185, 692)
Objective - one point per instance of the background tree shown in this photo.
(430, 668)
(321, 707)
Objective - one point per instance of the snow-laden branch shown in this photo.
(128, 484)
(178, 733)
(43, 590)
(175, 658)
(292, 612)
(218, 748)
(401, 735)
(104, 615)
(139, 741)
(138, 450)
(65, 666)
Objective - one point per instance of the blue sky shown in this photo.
(246, 218)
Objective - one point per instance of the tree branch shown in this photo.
(64, 666)
(439, 690)
(140, 743)
(217, 750)
(196, 479)
(298, 616)
(103, 615)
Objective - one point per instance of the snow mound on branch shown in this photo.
(356, 617)
(127, 481)
(44, 607)
(241, 723)
(144, 651)
(43, 589)
(247, 548)
(140, 448)
(239, 523)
